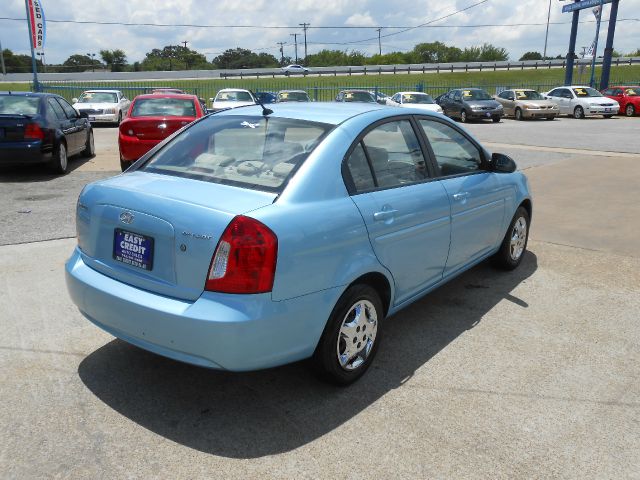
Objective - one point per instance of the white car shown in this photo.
(294, 69)
(419, 100)
(232, 98)
(103, 106)
(580, 101)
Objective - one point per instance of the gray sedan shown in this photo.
(470, 103)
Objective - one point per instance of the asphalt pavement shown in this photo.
(527, 374)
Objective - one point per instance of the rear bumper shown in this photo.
(132, 148)
(23, 153)
(229, 332)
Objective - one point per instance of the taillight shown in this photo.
(33, 131)
(245, 258)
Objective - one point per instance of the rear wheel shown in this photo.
(630, 110)
(553, 117)
(578, 112)
(518, 114)
(351, 337)
(89, 147)
(463, 116)
(124, 164)
(60, 162)
(515, 241)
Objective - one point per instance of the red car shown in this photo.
(151, 119)
(627, 97)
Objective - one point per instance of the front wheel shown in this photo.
(553, 117)
(515, 241)
(351, 337)
(463, 116)
(496, 119)
(518, 114)
(607, 116)
(578, 112)
(119, 118)
(630, 111)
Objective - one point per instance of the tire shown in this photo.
(350, 339)
(60, 161)
(518, 114)
(630, 110)
(513, 245)
(553, 117)
(463, 116)
(578, 112)
(124, 164)
(89, 146)
(607, 116)
(495, 119)
(119, 121)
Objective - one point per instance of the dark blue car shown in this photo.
(41, 128)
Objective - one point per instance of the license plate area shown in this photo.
(133, 249)
(91, 118)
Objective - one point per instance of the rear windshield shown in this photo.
(98, 97)
(261, 153)
(293, 97)
(233, 97)
(163, 107)
(18, 105)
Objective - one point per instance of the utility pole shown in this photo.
(304, 27)
(546, 37)
(380, 44)
(295, 40)
(281, 52)
(4, 70)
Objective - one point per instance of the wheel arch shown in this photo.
(380, 283)
(528, 206)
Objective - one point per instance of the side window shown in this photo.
(455, 154)
(617, 91)
(566, 93)
(457, 96)
(395, 155)
(359, 170)
(57, 109)
(609, 91)
(554, 93)
(68, 109)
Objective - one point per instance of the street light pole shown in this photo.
(380, 44)
(546, 37)
(304, 27)
(295, 40)
(4, 70)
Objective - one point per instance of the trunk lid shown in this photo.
(169, 225)
(12, 127)
(155, 128)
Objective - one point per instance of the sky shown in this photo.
(64, 39)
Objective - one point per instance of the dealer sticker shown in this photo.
(133, 249)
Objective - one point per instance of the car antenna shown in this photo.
(265, 111)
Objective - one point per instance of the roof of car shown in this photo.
(324, 112)
(28, 94)
(101, 91)
(412, 93)
(166, 95)
(233, 90)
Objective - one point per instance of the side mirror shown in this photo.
(502, 163)
(74, 100)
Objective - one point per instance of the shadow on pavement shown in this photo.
(262, 413)
(39, 172)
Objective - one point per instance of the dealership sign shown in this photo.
(37, 25)
(583, 4)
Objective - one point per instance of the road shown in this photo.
(528, 374)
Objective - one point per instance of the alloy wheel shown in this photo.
(357, 335)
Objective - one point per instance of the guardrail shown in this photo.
(321, 71)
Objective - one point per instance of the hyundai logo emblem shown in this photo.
(126, 217)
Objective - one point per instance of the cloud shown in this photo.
(360, 20)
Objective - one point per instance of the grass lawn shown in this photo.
(326, 87)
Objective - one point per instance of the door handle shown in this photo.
(384, 215)
(460, 196)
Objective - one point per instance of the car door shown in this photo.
(555, 96)
(476, 195)
(64, 124)
(406, 213)
(76, 133)
(507, 99)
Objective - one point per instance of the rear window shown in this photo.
(18, 105)
(358, 97)
(233, 97)
(163, 107)
(261, 153)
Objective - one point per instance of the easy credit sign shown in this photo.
(583, 4)
(36, 24)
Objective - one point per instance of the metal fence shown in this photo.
(320, 93)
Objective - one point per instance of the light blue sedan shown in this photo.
(254, 238)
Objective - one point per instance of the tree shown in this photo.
(435, 52)
(531, 56)
(18, 63)
(235, 58)
(115, 59)
(80, 63)
(634, 54)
